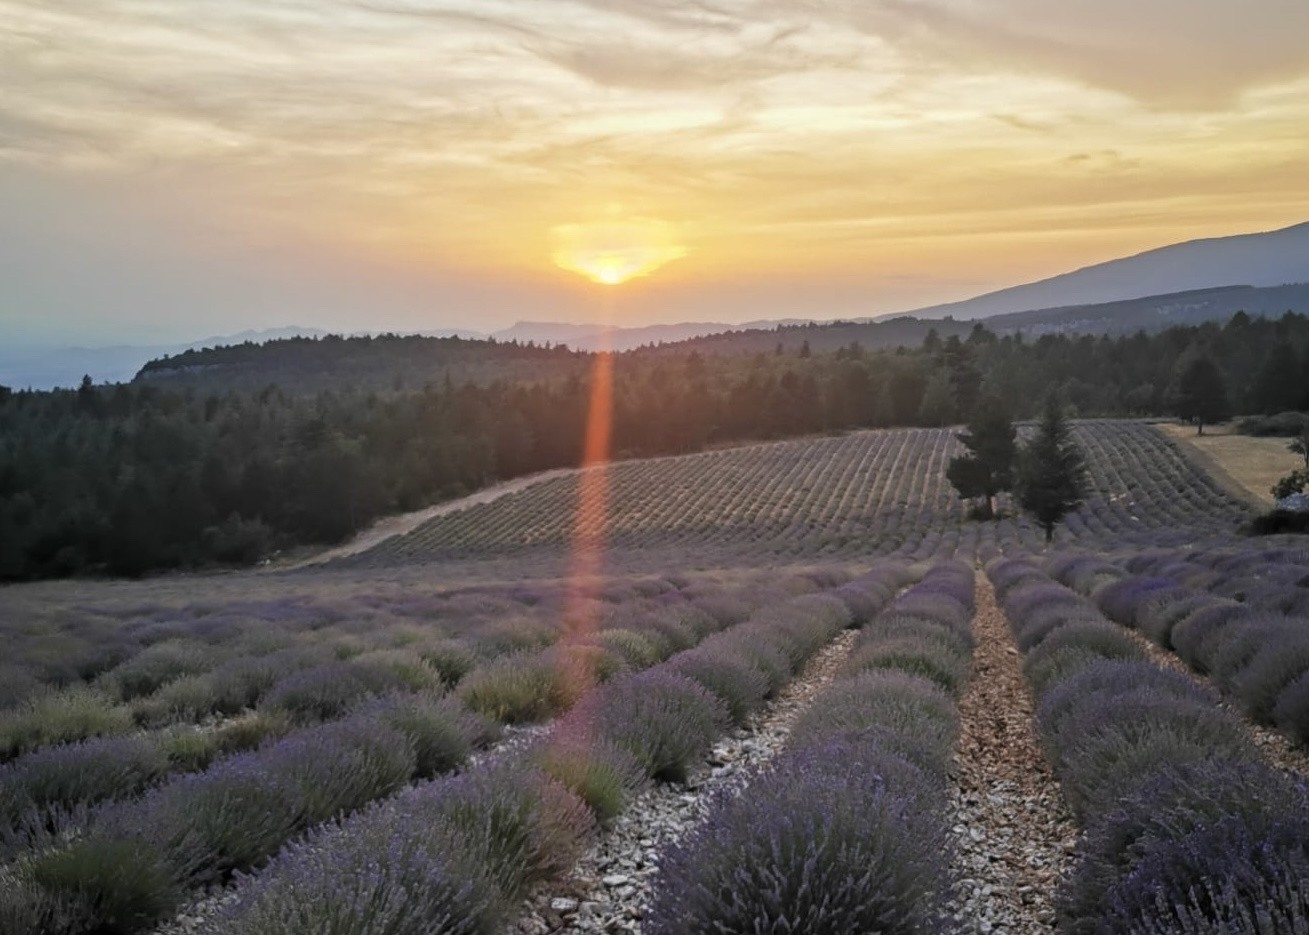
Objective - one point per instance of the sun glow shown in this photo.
(613, 252)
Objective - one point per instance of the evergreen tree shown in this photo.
(1198, 392)
(988, 466)
(1277, 386)
(937, 408)
(1051, 470)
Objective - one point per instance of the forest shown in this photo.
(158, 474)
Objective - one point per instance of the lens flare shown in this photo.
(614, 251)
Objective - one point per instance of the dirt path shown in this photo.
(403, 523)
(1014, 833)
(608, 890)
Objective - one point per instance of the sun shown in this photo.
(612, 252)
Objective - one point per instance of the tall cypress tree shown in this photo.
(1051, 470)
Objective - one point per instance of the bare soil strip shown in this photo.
(1013, 832)
(609, 888)
(1280, 750)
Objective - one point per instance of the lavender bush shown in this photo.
(1234, 876)
(665, 720)
(733, 681)
(1166, 807)
(836, 839)
(890, 700)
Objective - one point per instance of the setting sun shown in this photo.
(615, 251)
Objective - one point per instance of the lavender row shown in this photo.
(136, 860)
(1260, 658)
(256, 831)
(456, 855)
(845, 831)
(1186, 830)
(267, 697)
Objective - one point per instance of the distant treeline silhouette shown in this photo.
(151, 475)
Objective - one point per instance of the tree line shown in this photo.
(166, 473)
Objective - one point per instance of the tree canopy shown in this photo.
(1051, 470)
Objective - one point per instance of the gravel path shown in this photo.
(610, 886)
(1280, 750)
(1013, 832)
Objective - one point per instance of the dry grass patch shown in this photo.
(1255, 464)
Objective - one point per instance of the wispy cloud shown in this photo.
(814, 138)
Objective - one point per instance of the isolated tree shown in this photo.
(988, 466)
(1198, 392)
(1051, 477)
(1300, 446)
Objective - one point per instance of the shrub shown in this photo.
(1157, 617)
(1191, 632)
(587, 663)
(758, 651)
(520, 689)
(1106, 753)
(451, 659)
(80, 773)
(602, 774)
(890, 700)
(890, 626)
(326, 692)
(341, 766)
(914, 656)
(637, 649)
(251, 731)
(115, 886)
(190, 750)
(512, 636)
(1260, 683)
(386, 670)
(379, 877)
(1167, 806)
(1239, 645)
(835, 840)
(665, 720)
(1104, 680)
(156, 666)
(522, 827)
(1291, 713)
(61, 717)
(441, 732)
(738, 685)
(1236, 876)
(1121, 600)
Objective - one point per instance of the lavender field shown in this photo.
(788, 688)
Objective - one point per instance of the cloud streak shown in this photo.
(859, 140)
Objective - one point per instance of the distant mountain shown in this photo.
(45, 367)
(1156, 312)
(593, 337)
(1274, 258)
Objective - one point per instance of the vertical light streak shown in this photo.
(591, 523)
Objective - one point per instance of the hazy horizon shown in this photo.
(175, 171)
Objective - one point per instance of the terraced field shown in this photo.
(806, 695)
(870, 492)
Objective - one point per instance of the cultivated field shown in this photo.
(806, 695)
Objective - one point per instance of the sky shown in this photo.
(171, 169)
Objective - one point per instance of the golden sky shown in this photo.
(422, 163)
